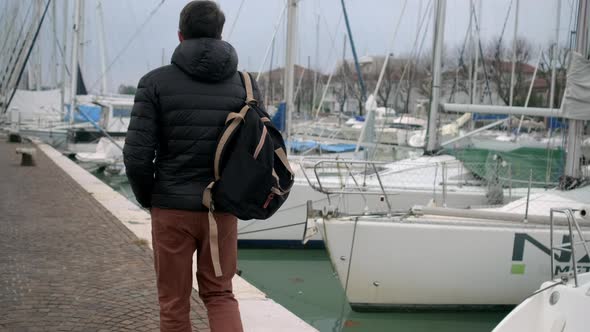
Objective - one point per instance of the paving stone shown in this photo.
(66, 263)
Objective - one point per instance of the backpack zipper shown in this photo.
(268, 200)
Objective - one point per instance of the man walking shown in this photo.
(178, 115)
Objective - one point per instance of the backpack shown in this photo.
(252, 174)
(253, 177)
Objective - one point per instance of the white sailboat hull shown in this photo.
(286, 227)
(547, 312)
(441, 265)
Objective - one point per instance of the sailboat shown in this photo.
(440, 257)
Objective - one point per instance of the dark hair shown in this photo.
(201, 18)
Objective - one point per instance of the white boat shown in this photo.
(389, 129)
(114, 116)
(563, 308)
(108, 155)
(447, 258)
(355, 187)
(559, 305)
(37, 114)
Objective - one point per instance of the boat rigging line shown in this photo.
(528, 97)
(460, 64)
(335, 67)
(233, 26)
(61, 53)
(22, 70)
(129, 43)
(339, 324)
(356, 60)
(272, 40)
(272, 228)
(487, 90)
(504, 28)
(381, 74)
(415, 52)
(6, 80)
(9, 31)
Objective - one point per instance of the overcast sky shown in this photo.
(372, 23)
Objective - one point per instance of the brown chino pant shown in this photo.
(176, 234)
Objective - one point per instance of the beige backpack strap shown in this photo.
(214, 245)
(249, 90)
(213, 233)
(235, 119)
(283, 157)
(207, 198)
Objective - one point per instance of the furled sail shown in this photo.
(576, 104)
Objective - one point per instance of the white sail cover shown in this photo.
(34, 105)
(576, 104)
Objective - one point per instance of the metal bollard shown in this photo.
(14, 137)
(27, 156)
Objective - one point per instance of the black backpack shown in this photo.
(252, 174)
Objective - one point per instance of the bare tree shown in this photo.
(500, 69)
(423, 75)
(390, 81)
(340, 89)
(350, 86)
(462, 73)
(561, 58)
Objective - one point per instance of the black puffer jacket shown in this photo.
(179, 112)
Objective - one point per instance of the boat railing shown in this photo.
(568, 247)
(386, 179)
(39, 121)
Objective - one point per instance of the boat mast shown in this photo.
(554, 53)
(75, 47)
(64, 57)
(38, 71)
(356, 59)
(514, 46)
(6, 44)
(470, 42)
(576, 127)
(439, 29)
(103, 50)
(34, 71)
(290, 61)
(54, 78)
(476, 50)
(82, 34)
(316, 63)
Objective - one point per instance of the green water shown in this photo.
(303, 282)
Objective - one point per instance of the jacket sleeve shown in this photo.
(141, 142)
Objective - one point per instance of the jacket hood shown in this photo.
(206, 59)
